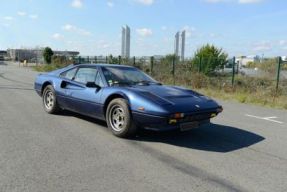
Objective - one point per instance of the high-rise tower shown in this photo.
(176, 44)
(182, 45)
(179, 45)
(126, 42)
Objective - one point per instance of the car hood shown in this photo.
(177, 99)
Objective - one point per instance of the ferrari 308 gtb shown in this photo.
(125, 97)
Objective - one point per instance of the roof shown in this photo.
(104, 65)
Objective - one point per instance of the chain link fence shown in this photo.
(267, 76)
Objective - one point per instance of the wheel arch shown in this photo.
(112, 97)
(45, 84)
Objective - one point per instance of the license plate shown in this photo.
(189, 125)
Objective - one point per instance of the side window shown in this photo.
(69, 74)
(99, 80)
(85, 75)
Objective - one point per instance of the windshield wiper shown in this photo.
(121, 83)
(145, 82)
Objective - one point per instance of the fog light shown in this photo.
(172, 121)
(213, 115)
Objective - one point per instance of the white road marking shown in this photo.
(265, 118)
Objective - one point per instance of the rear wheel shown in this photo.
(119, 118)
(49, 100)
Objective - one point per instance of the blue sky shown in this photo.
(93, 27)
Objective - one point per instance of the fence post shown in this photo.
(237, 67)
(120, 59)
(173, 69)
(134, 61)
(278, 73)
(73, 59)
(233, 70)
(151, 64)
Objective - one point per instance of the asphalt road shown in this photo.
(245, 149)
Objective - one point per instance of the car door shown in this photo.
(65, 84)
(83, 99)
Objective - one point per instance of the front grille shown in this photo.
(196, 117)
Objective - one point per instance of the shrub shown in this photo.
(209, 58)
(47, 54)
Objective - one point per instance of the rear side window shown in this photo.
(85, 75)
(69, 74)
(99, 80)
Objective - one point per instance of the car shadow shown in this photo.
(211, 137)
(83, 117)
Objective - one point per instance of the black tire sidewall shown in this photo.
(129, 128)
(55, 108)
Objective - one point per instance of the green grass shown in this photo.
(256, 98)
(47, 67)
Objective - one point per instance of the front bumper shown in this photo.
(162, 123)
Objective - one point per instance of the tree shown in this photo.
(209, 58)
(47, 54)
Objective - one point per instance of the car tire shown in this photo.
(119, 118)
(49, 100)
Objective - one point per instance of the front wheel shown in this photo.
(49, 100)
(119, 118)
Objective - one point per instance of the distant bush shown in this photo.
(47, 54)
(209, 58)
(61, 60)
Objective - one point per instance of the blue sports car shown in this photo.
(125, 97)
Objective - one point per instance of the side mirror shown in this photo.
(63, 84)
(93, 85)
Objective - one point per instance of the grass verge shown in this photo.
(259, 91)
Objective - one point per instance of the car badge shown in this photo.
(197, 106)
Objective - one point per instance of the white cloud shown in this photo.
(249, 1)
(21, 13)
(6, 24)
(164, 28)
(282, 42)
(77, 3)
(8, 18)
(33, 16)
(234, 1)
(73, 28)
(262, 46)
(57, 36)
(103, 45)
(189, 31)
(216, 1)
(145, 32)
(214, 35)
(69, 27)
(110, 4)
(145, 2)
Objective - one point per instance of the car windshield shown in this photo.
(126, 76)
